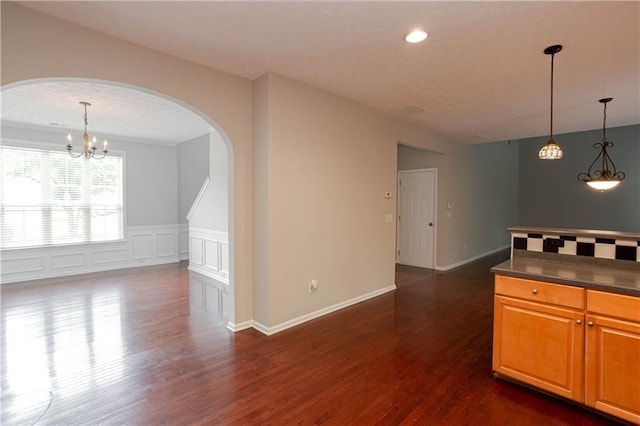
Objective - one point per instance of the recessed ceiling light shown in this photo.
(415, 36)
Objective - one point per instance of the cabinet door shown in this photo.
(542, 345)
(613, 367)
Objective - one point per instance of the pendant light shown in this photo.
(551, 151)
(605, 178)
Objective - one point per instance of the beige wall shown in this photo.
(36, 46)
(260, 200)
(323, 165)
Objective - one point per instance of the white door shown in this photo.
(416, 217)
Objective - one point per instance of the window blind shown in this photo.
(50, 198)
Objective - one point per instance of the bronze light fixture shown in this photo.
(551, 151)
(88, 145)
(604, 178)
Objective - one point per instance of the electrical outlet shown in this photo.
(313, 286)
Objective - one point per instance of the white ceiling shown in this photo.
(115, 111)
(481, 76)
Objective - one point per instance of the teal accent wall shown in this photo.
(551, 196)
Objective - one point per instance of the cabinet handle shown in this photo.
(578, 322)
(590, 324)
(535, 291)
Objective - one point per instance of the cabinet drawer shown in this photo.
(539, 291)
(614, 305)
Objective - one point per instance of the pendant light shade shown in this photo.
(551, 151)
(607, 177)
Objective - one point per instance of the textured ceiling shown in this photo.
(114, 111)
(481, 75)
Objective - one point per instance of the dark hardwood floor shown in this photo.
(149, 346)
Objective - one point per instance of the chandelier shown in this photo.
(604, 178)
(88, 145)
(551, 151)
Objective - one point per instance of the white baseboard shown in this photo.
(469, 260)
(316, 314)
(240, 326)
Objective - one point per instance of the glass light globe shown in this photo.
(551, 151)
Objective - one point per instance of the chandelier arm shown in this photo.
(613, 166)
(605, 160)
(104, 154)
(72, 155)
(585, 177)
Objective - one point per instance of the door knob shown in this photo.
(430, 223)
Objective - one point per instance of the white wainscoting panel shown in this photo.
(196, 251)
(143, 245)
(19, 264)
(166, 244)
(99, 257)
(183, 241)
(68, 260)
(209, 253)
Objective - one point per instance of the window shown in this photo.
(47, 197)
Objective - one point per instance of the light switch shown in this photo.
(388, 218)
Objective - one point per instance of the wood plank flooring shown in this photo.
(149, 346)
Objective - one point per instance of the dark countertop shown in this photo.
(595, 277)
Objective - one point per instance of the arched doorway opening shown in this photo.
(144, 127)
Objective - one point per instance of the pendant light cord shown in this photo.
(604, 124)
(551, 118)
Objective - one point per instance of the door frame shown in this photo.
(435, 211)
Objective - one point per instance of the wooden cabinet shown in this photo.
(612, 364)
(582, 345)
(539, 335)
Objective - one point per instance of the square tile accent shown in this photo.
(548, 248)
(519, 243)
(629, 243)
(626, 253)
(534, 244)
(569, 248)
(585, 249)
(585, 240)
(605, 251)
(605, 240)
(568, 237)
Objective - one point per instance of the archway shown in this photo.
(119, 100)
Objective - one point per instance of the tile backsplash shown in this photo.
(575, 244)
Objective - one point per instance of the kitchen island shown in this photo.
(567, 316)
